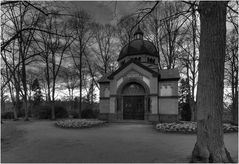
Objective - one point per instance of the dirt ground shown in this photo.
(41, 141)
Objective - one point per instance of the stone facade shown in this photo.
(138, 89)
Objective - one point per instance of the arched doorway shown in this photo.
(133, 101)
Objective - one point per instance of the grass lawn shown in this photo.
(10, 134)
(42, 141)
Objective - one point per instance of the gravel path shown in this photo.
(116, 142)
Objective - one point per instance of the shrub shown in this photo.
(7, 115)
(89, 113)
(186, 112)
(21, 113)
(61, 112)
(44, 112)
(74, 114)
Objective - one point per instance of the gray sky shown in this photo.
(105, 11)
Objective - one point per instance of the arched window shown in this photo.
(133, 89)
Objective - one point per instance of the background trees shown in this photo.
(72, 50)
(80, 23)
(231, 72)
(47, 39)
(105, 47)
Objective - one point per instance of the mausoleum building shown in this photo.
(138, 89)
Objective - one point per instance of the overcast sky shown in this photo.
(105, 11)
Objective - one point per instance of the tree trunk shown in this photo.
(192, 102)
(53, 115)
(210, 145)
(17, 104)
(234, 85)
(193, 109)
(14, 102)
(81, 78)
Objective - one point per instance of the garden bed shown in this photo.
(79, 123)
(189, 127)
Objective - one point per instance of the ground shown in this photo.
(42, 141)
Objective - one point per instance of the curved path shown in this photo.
(116, 142)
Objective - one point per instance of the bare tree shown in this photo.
(69, 76)
(54, 48)
(20, 16)
(80, 23)
(124, 26)
(231, 72)
(105, 47)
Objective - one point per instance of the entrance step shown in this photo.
(132, 121)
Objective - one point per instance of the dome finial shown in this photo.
(138, 34)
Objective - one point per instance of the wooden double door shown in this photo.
(133, 107)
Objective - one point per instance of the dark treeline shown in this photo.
(71, 51)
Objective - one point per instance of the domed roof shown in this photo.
(138, 47)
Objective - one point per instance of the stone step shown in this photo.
(132, 121)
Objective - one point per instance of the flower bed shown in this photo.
(189, 127)
(79, 123)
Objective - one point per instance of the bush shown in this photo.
(89, 113)
(74, 114)
(44, 112)
(7, 115)
(186, 112)
(79, 123)
(61, 112)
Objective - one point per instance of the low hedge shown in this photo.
(79, 123)
(189, 127)
(7, 115)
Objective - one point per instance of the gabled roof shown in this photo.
(135, 62)
(166, 74)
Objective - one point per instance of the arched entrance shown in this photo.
(133, 101)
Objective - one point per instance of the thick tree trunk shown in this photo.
(210, 144)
